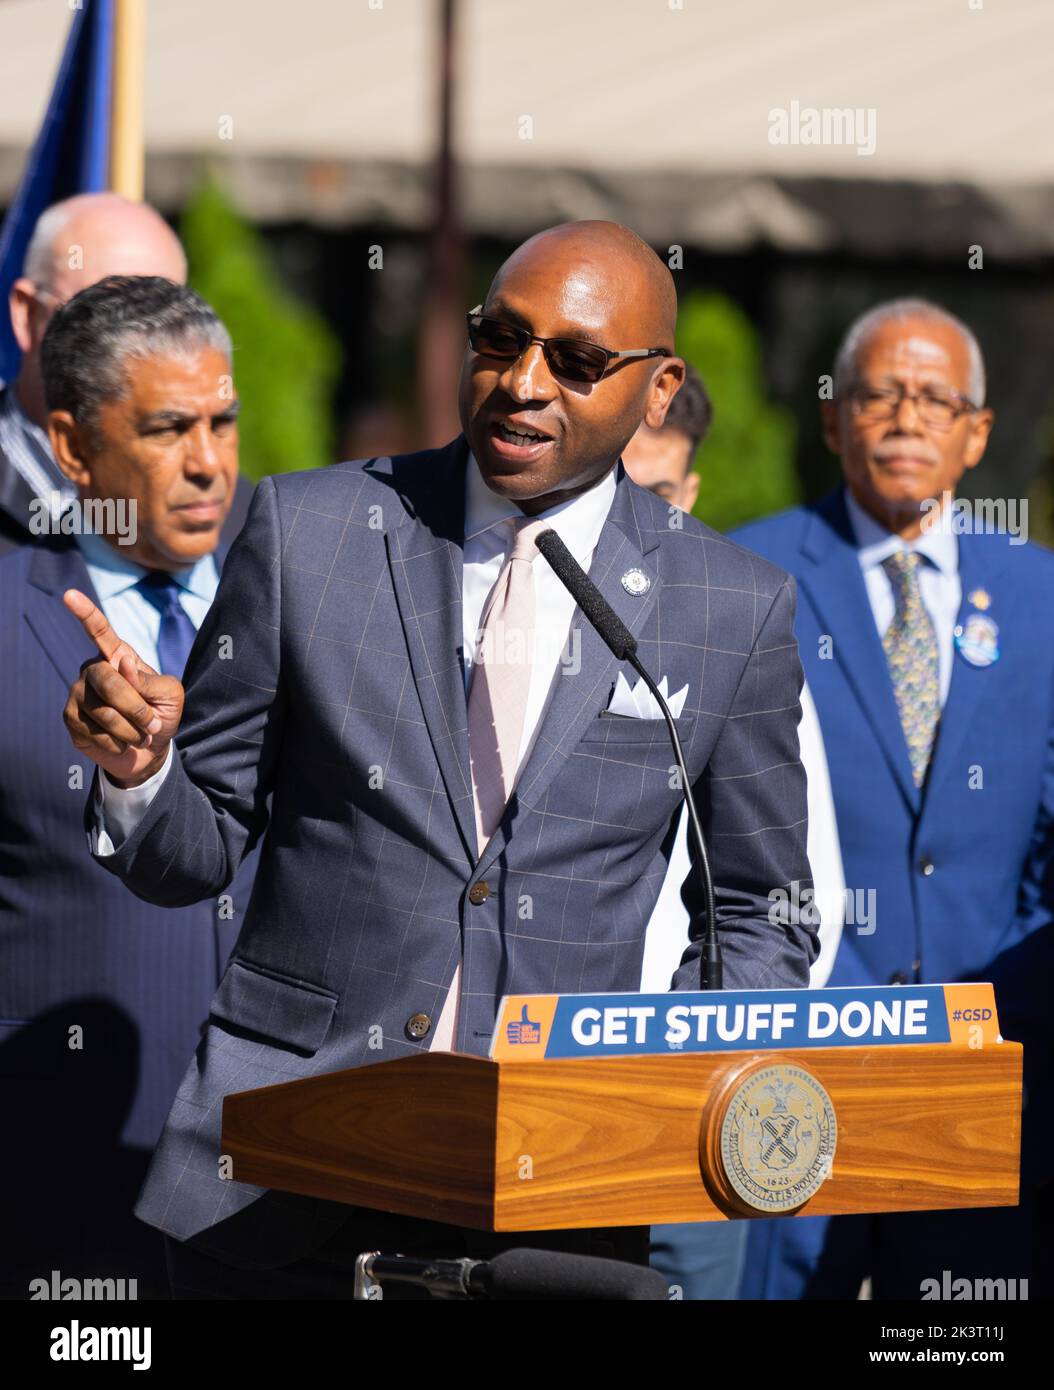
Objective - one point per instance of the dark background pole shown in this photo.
(442, 335)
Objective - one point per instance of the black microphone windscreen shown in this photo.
(586, 594)
(544, 1274)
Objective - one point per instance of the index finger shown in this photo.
(93, 621)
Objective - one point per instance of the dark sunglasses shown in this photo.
(567, 357)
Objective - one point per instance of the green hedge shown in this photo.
(286, 360)
(746, 463)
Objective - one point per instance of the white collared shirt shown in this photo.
(939, 582)
(137, 622)
(666, 938)
(488, 542)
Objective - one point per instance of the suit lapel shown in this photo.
(582, 687)
(426, 557)
(52, 570)
(16, 496)
(979, 568)
(833, 580)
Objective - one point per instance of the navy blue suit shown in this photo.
(83, 1109)
(960, 867)
(343, 595)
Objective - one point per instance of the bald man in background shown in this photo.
(368, 605)
(74, 244)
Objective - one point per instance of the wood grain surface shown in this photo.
(615, 1141)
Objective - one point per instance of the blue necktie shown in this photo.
(177, 631)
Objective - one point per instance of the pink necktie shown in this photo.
(501, 682)
(497, 706)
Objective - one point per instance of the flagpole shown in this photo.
(126, 127)
(442, 332)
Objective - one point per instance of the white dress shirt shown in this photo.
(939, 582)
(666, 937)
(488, 541)
(137, 622)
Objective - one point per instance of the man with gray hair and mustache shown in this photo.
(74, 244)
(102, 996)
(928, 646)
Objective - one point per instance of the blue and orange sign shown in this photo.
(608, 1025)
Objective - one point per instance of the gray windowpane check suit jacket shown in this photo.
(343, 698)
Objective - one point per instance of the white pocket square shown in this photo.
(640, 703)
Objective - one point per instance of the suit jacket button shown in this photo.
(926, 866)
(418, 1026)
(898, 978)
(479, 893)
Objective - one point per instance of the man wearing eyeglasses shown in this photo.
(928, 647)
(459, 812)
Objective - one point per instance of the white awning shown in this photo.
(693, 123)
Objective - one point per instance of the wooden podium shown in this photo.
(556, 1142)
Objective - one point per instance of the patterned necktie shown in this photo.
(177, 631)
(910, 643)
(501, 682)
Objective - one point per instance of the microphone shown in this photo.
(514, 1274)
(543, 1274)
(623, 646)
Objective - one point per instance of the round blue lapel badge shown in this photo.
(636, 582)
(978, 639)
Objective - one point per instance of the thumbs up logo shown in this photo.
(523, 1030)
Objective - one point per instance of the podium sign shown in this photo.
(623, 1025)
(628, 1109)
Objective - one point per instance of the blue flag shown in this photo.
(71, 153)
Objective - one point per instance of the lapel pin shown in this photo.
(978, 639)
(981, 599)
(636, 582)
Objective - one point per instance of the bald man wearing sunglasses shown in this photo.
(463, 805)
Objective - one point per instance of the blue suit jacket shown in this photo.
(987, 849)
(74, 943)
(345, 699)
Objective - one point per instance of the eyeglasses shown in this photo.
(567, 357)
(938, 409)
